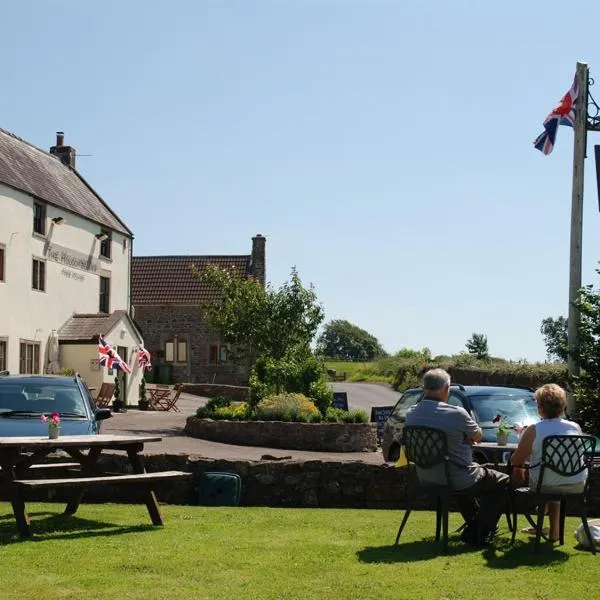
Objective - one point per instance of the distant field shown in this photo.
(359, 371)
(348, 367)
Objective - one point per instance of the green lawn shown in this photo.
(108, 551)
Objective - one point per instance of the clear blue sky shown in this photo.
(384, 148)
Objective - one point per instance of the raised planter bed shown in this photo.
(319, 437)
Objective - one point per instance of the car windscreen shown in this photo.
(41, 398)
(518, 409)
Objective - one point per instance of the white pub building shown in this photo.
(65, 262)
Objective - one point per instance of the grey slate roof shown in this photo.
(88, 327)
(44, 176)
(157, 280)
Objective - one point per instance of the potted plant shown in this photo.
(503, 430)
(53, 422)
(117, 404)
(142, 400)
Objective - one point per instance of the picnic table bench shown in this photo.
(20, 457)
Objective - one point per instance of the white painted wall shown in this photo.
(27, 314)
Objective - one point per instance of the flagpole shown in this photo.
(579, 151)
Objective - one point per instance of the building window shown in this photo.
(217, 354)
(104, 295)
(1, 264)
(38, 275)
(105, 245)
(176, 351)
(2, 355)
(39, 218)
(29, 358)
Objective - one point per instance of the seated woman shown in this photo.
(551, 404)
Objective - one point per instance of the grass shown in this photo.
(360, 371)
(107, 551)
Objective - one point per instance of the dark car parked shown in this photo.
(517, 405)
(25, 398)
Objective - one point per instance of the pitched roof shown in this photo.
(88, 327)
(44, 176)
(159, 280)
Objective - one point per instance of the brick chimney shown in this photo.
(66, 154)
(258, 259)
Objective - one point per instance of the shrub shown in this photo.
(286, 407)
(67, 372)
(302, 374)
(208, 410)
(238, 411)
(337, 415)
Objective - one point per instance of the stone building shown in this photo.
(167, 306)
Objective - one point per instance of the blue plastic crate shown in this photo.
(220, 489)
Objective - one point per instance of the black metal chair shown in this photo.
(426, 448)
(565, 455)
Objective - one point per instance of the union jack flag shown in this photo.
(110, 358)
(563, 114)
(144, 359)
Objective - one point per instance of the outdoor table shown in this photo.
(20, 456)
(497, 450)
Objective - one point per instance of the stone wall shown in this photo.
(237, 393)
(160, 324)
(321, 437)
(282, 483)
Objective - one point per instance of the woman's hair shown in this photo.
(552, 399)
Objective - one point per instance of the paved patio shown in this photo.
(169, 425)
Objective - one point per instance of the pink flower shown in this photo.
(44, 419)
(497, 419)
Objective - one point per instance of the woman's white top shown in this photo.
(543, 429)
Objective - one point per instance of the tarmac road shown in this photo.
(169, 425)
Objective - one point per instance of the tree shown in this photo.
(586, 387)
(478, 346)
(555, 338)
(261, 321)
(343, 340)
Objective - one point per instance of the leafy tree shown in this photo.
(343, 340)
(423, 354)
(555, 338)
(586, 387)
(477, 345)
(261, 321)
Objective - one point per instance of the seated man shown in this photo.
(482, 510)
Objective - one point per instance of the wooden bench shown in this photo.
(134, 478)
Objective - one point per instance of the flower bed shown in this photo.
(320, 437)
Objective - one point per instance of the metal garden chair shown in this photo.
(426, 448)
(565, 455)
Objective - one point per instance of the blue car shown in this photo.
(515, 405)
(25, 398)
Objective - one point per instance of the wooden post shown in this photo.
(579, 151)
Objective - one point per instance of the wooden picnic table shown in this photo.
(20, 457)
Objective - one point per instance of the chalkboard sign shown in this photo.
(379, 415)
(340, 400)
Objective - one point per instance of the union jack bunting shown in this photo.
(563, 114)
(144, 359)
(109, 357)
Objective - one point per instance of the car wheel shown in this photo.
(394, 454)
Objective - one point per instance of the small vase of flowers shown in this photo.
(53, 422)
(503, 430)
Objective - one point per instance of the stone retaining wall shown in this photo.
(277, 483)
(280, 483)
(320, 437)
